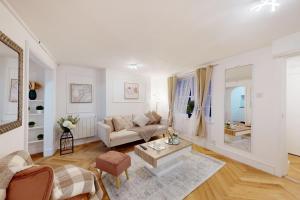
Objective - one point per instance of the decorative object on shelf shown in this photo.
(227, 124)
(173, 138)
(40, 137)
(66, 139)
(31, 124)
(33, 86)
(81, 93)
(13, 94)
(131, 90)
(190, 108)
(39, 109)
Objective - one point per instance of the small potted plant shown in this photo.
(190, 108)
(40, 137)
(31, 124)
(39, 109)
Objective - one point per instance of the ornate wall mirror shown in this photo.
(238, 107)
(11, 84)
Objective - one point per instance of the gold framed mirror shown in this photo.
(11, 84)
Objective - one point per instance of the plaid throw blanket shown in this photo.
(9, 166)
(70, 181)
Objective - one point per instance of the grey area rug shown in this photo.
(174, 185)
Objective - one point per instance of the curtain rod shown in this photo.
(186, 73)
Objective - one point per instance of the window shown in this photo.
(184, 99)
(207, 109)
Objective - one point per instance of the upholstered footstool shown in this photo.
(114, 163)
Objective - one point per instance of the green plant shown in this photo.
(190, 107)
(39, 108)
(40, 136)
(31, 124)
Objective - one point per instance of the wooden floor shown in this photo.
(294, 167)
(234, 181)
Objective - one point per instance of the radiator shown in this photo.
(86, 127)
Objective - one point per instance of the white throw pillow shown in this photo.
(141, 120)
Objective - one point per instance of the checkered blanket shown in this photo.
(70, 181)
(9, 166)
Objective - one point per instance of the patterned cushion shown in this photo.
(121, 123)
(109, 121)
(156, 116)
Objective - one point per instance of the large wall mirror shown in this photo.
(238, 107)
(11, 74)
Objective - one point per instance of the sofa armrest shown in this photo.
(34, 183)
(104, 132)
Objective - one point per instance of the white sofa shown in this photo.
(115, 138)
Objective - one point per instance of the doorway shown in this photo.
(293, 116)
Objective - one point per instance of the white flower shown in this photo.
(67, 124)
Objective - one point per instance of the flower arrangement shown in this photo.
(68, 123)
(33, 85)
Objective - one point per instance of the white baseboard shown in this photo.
(253, 162)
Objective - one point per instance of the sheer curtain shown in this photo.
(183, 93)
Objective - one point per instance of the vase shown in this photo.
(32, 95)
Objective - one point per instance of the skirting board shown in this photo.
(236, 156)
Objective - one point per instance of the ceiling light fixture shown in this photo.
(133, 66)
(264, 3)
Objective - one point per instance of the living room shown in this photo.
(149, 100)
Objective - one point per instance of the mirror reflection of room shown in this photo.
(237, 128)
(8, 84)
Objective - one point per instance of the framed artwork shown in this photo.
(81, 93)
(13, 92)
(131, 90)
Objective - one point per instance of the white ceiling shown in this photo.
(162, 35)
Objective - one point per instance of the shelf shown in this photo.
(35, 127)
(35, 141)
(36, 114)
(37, 100)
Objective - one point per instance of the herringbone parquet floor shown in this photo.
(235, 181)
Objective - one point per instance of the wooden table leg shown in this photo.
(117, 182)
(127, 176)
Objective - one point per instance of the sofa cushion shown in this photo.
(141, 120)
(121, 123)
(152, 119)
(128, 121)
(156, 116)
(109, 121)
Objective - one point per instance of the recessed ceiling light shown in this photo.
(133, 66)
(273, 4)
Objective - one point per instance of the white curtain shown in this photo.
(183, 90)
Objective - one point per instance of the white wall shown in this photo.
(15, 139)
(115, 102)
(67, 74)
(266, 111)
(159, 95)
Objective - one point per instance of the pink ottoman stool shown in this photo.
(114, 163)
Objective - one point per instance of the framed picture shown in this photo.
(81, 93)
(13, 93)
(131, 90)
